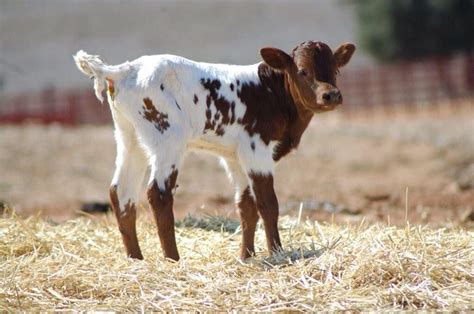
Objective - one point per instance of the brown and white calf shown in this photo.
(251, 116)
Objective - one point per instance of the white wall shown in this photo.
(38, 37)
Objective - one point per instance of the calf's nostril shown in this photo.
(326, 96)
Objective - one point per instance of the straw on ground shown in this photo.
(81, 265)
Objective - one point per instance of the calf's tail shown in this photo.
(94, 67)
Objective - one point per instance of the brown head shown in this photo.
(311, 72)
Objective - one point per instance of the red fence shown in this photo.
(65, 107)
(426, 83)
(409, 84)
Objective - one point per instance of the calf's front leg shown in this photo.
(267, 206)
(245, 204)
(248, 220)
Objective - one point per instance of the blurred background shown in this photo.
(402, 142)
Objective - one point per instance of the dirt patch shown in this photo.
(361, 168)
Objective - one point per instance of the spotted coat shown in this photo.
(250, 116)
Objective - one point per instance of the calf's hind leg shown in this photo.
(131, 165)
(164, 173)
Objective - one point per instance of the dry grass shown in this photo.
(80, 265)
(56, 169)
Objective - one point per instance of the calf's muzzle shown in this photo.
(332, 97)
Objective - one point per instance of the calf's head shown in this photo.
(311, 71)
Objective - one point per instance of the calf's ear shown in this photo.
(276, 58)
(343, 54)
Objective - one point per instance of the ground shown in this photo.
(80, 265)
(368, 171)
(377, 167)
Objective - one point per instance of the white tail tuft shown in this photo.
(93, 66)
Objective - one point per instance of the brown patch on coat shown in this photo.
(195, 99)
(159, 119)
(224, 108)
(126, 220)
(161, 202)
(170, 182)
(291, 137)
(232, 112)
(209, 124)
(220, 130)
(110, 88)
(268, 103)
(271, 111)
(212, 86)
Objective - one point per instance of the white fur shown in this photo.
(141, 145)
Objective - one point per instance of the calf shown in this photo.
(251, 116)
